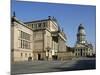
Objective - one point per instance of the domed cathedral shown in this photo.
(82, 47)
(81, 35)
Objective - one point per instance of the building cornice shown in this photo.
(36, 21)
(14, 19)
(62, 37)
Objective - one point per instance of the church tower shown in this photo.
(81, 35)
(82, 48)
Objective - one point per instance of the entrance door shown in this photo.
(29, 58)
(81, 52)
(39, 56)
(54, 57)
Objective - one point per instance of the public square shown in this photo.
(53, 66)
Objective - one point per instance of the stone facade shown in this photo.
(37, 40)
(21, 41)
(49, 37)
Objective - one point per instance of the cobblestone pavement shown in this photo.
(52, 66)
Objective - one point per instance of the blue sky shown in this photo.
(69, 17)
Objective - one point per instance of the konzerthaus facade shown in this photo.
(37, 40)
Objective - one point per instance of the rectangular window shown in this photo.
(21, 44)
(32, 25)
(44, 25)
(36, 26)
(24, 41)
(39, 25)
(25, 35)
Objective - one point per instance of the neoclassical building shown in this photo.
(21, 41)
(37, 40)
(49, 40)
(82, 47)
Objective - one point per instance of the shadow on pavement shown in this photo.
(79, 65)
